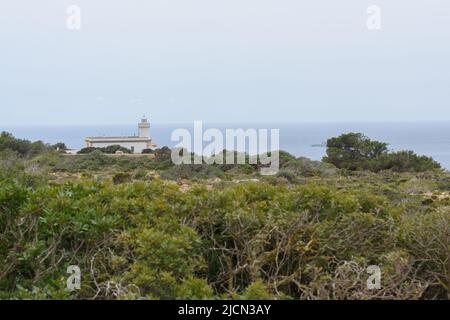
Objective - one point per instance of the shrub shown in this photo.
(109, 149)
(23, 147)
(288, 175)
(114, 148)
(87, 150)
(163, 155)
(244, 241)
(403, 161)
(60, 146)
(304, 167)
(195, 289)
(256, 291)
(121, 178)
(192, 171)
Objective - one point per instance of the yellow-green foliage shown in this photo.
(253, 240)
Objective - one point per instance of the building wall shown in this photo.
(144, 131)
(138, 146)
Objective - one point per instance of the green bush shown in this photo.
(351, 150)
(243, 241)
(163, 155)
(312, 238)
(148, 151)
(121, 178)
(109, 150)
(304, 167)
(22, 147)
(60, 146)
(87, 150)
(354, 151)
(402, 161)
(192, 171)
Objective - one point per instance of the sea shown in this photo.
(304, 139)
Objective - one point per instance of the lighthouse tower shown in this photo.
(144, 128)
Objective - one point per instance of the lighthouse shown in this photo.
(136, 144)
(144, 128)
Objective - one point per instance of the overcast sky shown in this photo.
(223, 61)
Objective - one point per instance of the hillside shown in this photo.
(139, 227)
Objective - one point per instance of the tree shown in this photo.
(60, 146)
(23, 147)
(351, 150)
(354, 151)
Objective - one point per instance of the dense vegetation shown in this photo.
(23, 147)
(109, 149)
(143, 228)
(354, 151)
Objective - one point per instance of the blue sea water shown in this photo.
(425, 138)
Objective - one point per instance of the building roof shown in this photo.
(118, 139)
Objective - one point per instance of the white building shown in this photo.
(135, 143)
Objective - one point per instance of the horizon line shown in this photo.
(225, 122)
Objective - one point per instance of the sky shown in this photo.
(223, 61)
